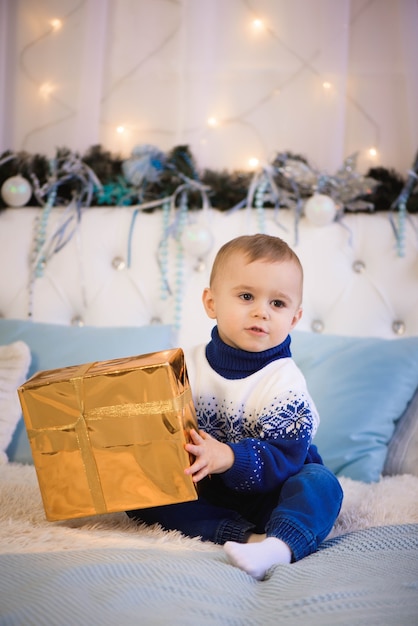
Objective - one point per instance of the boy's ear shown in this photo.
(209, 303)
(296, 317)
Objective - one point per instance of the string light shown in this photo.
(212, 122)
(46, 89)
(258, 24)
(56, 24)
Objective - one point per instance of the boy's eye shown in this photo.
(278, 303)
(246, 296)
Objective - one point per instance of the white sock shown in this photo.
(257, 558)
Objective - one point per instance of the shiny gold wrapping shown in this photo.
(109, 436)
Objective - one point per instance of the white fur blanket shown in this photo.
(23, 527)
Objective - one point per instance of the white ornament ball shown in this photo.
(16, 191)
(320, 210)
(197, 240)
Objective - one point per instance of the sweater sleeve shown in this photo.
(281, 447)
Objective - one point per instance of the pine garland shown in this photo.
(157, 175)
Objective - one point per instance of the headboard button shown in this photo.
(398, 327)
(118, 263)
(77, 320)
(359, 267)
(317, 326)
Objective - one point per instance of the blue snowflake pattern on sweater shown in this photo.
(223, 422)
(288, 417)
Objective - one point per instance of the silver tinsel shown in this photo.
(346, 187)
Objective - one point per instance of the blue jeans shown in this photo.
(301, 513)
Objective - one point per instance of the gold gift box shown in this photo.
(109, 436)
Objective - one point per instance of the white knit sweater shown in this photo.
(268, 418)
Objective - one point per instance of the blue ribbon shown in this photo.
(400, 204)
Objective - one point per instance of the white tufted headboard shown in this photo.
(355, 282)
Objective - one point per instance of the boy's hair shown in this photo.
(256, 248)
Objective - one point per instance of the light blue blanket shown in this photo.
(368, 577)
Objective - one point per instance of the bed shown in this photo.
(118, 287)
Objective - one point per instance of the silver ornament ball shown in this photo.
(197, 240)
(320, 210)
(16, 191)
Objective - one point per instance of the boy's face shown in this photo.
(256, 304)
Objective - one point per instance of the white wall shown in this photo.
(161, 69)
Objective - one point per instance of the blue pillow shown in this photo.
(53, 346)
(361, 387)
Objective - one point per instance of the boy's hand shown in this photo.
(211, 456)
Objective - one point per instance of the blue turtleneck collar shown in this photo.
(233, 363)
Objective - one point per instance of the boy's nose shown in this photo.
(260, 311)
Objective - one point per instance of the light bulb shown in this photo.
(212, 121)
(56, 24)
(46, 89)
(258, 24)
(373, 152)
